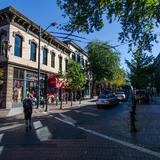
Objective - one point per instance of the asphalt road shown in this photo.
(82, 133)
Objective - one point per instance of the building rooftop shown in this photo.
(11, 15)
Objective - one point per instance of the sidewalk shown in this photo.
(52, 108)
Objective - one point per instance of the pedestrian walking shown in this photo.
(27, 106)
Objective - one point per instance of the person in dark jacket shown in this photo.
(27, 107)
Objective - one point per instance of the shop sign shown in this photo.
(31, 76)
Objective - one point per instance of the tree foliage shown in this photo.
(76, 79)
(137, 17)
(119, 78)
(103, 62)
(141, 68)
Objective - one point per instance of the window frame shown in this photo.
(19, 46)
(45, 57)
(60, 63)
(33, 52)
(53, 55)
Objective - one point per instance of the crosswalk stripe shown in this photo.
(10, 127)
(43, 134)
(37, 124)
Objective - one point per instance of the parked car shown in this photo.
(121, 96)
(107, 100)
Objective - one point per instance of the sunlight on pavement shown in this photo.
(37, 124)
(42, 132)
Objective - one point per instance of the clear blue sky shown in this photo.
(43, 12)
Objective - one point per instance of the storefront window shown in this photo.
(18, 80)
(1, 85)
(3, 45)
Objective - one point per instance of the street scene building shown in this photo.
(81, 57)
(84, 87)
(19, 57)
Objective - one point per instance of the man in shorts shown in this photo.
(27, 106)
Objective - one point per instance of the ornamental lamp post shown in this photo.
(41, 31)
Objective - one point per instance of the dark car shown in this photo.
(107, 100)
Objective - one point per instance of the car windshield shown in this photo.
(119, 92)
(102, 97)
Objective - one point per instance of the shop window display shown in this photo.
(1, 85)
(17, 90)
(18, 80)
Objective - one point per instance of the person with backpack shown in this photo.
(27, 107)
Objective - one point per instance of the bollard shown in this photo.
(132, 118)
(132, 115)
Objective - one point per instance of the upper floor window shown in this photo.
(18, 46)
(33, 52)
(86, 63)
(45, 54)
(78, 58)
(82, 62)
(74, 56)
(52, 59)
(66, 64)
(3, 45)
(60, 64)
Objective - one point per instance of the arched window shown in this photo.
(18, 46)
(33, 50)
(45, 55)
(3, 45)
(60, 63)
(53, 59)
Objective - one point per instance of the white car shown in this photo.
(120, 96)
(106, 100)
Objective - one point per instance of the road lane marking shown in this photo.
(10, 127)
(91, 114)
(37, 124)
(70, 123)
(126, 144)
(67, 118)
(1, 149)
(1, 136)
(77, 111)
(87, 113)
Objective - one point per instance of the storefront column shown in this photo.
(9, 89)
(24, 84)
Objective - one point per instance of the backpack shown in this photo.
(27, 105)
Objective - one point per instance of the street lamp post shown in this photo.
(39, 58)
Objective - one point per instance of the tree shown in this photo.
(102, 62)
(141, 69)
(137, 17)
(119, 78)
(76, 79)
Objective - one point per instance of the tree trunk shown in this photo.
(92, 89)
(80, 97)
(71, 98)
(61, 96)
